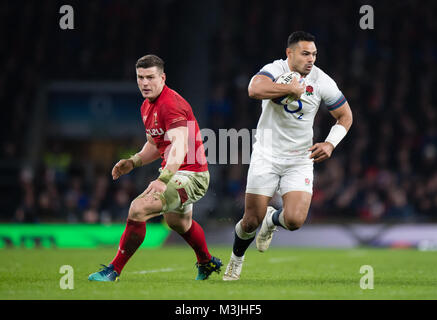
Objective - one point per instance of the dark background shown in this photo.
(70, 106)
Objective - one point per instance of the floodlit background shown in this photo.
(70, 105)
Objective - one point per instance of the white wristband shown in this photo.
(337, 133)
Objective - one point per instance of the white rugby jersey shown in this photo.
(285, 131)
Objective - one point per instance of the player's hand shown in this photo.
(155, 187)
(122, 167)
(297, 88)
(321, 151)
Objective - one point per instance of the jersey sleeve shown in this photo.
(272, 70)
(175, 115)
(330, 94)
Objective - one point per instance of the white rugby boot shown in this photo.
(265, 234)
(233, 270)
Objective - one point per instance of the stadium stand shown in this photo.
(385, 170)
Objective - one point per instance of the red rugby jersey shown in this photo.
(170, 110)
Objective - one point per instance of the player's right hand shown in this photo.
(297, 88)
(122, 167)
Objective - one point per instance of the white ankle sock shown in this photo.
(234, 257)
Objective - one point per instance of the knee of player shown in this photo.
(294, 223)
(293, 226)
(134, 210)
(250, 224)
(139, 210)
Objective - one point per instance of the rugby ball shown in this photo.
(286, 78)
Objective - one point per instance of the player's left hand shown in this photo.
(156, 186)
(321, 151)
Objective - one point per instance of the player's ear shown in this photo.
(288, 52)
(163, 77)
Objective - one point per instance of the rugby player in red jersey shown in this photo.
(173, 135)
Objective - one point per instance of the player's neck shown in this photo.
(153, 100)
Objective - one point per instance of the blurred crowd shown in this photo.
(384, 170)
(67, 196)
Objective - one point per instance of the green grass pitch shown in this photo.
(168, 274)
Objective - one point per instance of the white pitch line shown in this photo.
(155, 271)
(280, 260)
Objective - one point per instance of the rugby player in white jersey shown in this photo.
(284, 153)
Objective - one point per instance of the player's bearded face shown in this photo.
(150, 81)
(302, 56)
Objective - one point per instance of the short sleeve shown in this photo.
(271, 70)
(330, 94)
(175, 115)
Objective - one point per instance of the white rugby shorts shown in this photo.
(267, 174)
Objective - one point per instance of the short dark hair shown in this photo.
(297, 36)
(149, 61)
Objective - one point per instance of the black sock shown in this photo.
(241, 245)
